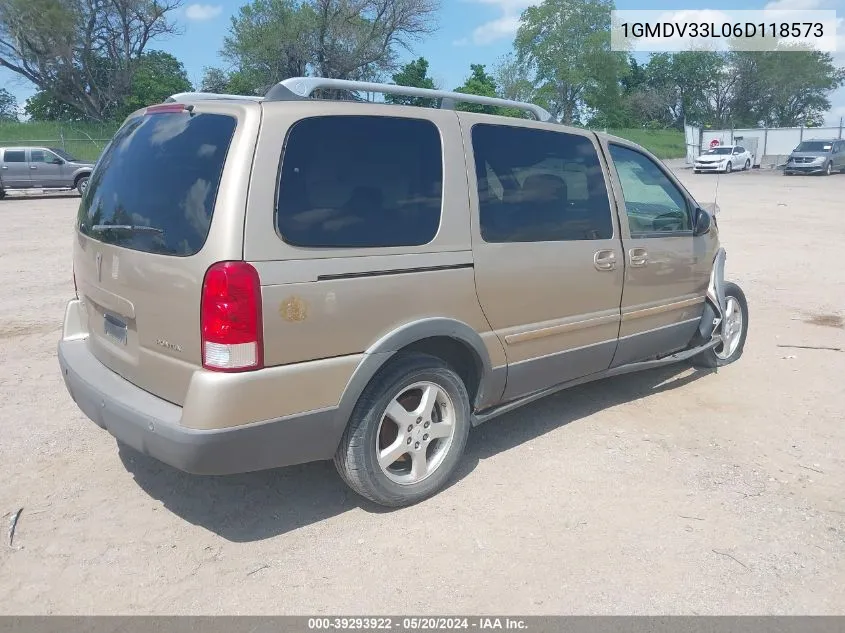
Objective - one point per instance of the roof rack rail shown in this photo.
(297, 88)
(194, 96)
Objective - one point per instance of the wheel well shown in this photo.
(458, 355)
(79, 177)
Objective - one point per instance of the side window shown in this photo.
(40, 156)
(14, 156)
(539, 186)
(653, 203)
(740, 150)
(360, 182)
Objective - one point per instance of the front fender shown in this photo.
(81, 171)
(714, 307)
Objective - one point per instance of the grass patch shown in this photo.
(87, 140)
(661, 143)
(83, 140)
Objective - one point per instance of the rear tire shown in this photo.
(736, 321)
(82, 184)
(372, 457)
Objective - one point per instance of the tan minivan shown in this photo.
(270, 281)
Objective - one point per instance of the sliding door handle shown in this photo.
(638, 257)
(604, 260)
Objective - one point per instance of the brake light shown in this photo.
(168, 108)
(230, 318)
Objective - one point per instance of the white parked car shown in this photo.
(724, 158)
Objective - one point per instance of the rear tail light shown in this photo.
(230, 318)
(168, 108)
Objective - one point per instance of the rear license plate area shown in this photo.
(114, 329)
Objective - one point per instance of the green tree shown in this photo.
(157, 76)
(8, 106)
(478, 83)
(271, 40)
(415, 75)
(82, 52)
(696, 85)
(214, 80)
(43, 106)
(514, 80)
(783, 88)
(566, 44)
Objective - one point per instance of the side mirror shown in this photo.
(703, 220)
(57, 161)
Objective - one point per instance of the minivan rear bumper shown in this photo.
(152, 425)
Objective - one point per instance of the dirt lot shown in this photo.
(672, 492)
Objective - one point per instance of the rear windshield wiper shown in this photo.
(134, 228)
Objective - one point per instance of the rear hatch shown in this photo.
(165, 202)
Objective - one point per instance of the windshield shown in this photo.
(155, 186)
(63, 154)
(814, 146)
(721, 150)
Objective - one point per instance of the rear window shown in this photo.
(360, 182)
(15, 156)
(155, 185)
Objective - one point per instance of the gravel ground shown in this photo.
(668, 492)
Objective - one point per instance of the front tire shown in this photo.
(407, 432)
(829, 169)
(747, 164)
(82, 185)
(728, 168)
(2, 193)
(734, 331)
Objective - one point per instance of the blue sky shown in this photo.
(471, 31)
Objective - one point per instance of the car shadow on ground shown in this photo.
(256, 506)
(11, 197)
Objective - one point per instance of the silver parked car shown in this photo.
(817, 156)
(41, 168)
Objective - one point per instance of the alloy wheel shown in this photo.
(415, 433)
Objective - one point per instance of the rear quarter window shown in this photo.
(14, 156)
(360, 182)
(155, 186)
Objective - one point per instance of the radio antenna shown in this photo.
(716, 195)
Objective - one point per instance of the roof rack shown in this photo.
(301, 88)
(208, 95)
(297, 88)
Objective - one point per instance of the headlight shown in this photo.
(819, 159)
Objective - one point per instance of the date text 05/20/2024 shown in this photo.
(416, 624)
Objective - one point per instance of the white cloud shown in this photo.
(489, 32)
(200, 12)
(794, 5)
(502, 27)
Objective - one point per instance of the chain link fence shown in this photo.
(82, 140)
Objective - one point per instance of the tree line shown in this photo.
(89, 59)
